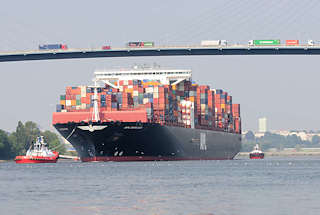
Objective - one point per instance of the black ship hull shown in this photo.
(147, 142)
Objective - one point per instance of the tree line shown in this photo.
(279, 142)
(18, 142)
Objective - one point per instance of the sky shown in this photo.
(282, 88)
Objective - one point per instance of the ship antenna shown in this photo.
(95, 113)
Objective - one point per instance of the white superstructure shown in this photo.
(39, 149)
(165, 76)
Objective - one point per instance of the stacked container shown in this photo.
(184, 104)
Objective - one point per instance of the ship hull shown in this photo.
(148, 142)
(22, 159)
(256, 155)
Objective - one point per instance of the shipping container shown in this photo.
(52, 46)
(210, 42)
(140, 44)
(266, 42)
(292, 42)
(106, 47)
(164, 104)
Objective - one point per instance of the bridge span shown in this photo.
(158, 51)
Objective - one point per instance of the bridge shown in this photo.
(159, 51)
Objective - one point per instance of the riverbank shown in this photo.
(284, 153)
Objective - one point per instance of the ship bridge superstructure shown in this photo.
(164, 76)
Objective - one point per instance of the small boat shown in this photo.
(256, 153)
(38, 153)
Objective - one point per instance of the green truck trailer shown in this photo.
(266, 42)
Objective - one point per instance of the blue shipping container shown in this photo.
(50, 46)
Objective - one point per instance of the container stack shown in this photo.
(183, 104)
(236, 117)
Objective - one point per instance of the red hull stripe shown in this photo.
(144, 158)
(35, 161)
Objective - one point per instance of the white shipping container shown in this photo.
(210, 42)
(130, 86)
(64, 110)
(145, 100)
(155, 95)
(223, 42)
(83, 106)
(135, 93)
(83, 91)
(149, 90)
(68, 102)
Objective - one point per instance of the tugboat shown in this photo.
(38, 153)
(256, 153)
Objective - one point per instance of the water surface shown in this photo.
(274, 185)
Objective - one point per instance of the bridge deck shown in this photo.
(159, 51)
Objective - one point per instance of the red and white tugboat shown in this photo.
(256, 153)
(38, 153)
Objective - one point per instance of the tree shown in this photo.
(315, 139)
(5, 146)
(53, 142)
(250, 136)
(26, 134)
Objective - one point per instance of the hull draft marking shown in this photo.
(203, 144)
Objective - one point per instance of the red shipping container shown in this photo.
(292, 42)
(236, 108)
(106, 47)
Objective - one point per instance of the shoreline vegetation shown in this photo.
(274, 144)
(283, 153)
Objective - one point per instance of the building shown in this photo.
(262, 124)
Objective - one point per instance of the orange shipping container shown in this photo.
(63, 102)
(292, 42)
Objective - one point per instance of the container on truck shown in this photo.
(310, 42)
(53, 46)
(106, 47)
(292, 42)
(140, 44)
(266, 42)
(210, 42)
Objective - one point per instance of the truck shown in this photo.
(107, 47)
(264, 42)
(53, 47)
(140, 44)
(213, 42)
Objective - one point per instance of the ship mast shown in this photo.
(95, 113)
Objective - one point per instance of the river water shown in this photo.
(274, 185)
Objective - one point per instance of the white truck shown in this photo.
(213, 42)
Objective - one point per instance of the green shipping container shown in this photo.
(78, 102)
(63, 97)
(266, 42)
(148, 44)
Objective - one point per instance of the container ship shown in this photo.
(148, 114)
